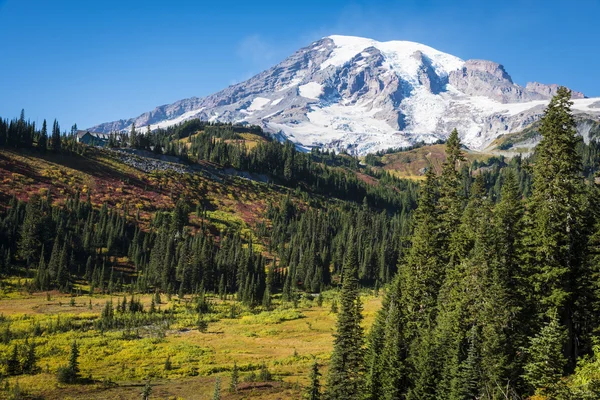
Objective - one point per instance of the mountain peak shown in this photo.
(363, 95)
(398, 53)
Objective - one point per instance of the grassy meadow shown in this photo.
(119, 362)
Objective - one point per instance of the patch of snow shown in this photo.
(276, 101)
(486, 105)
(587, 105)
(272, 114)
(258, 104)
(292, 82)
(170, 122)
(311, 90)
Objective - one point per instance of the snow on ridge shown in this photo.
(490, 106)
(170, 122)
(398, 54)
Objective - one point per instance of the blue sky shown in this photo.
(88, 62)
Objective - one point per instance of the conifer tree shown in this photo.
(54, 263)
(450, 201)
(13, 365)
(133, 137)
(217, 391)
(546, 363)
(30, 362)
(313, 391)
(30, 244)
(74, 361)
(557, 228)
(235, 378)
(55, 142)
(147, 391)
(374, 364)
(41, 278)
(42, 144)
(394, 380)
(345, 378)
(420, 273)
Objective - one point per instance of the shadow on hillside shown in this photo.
(88, 165)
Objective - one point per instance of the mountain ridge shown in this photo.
(362, 95)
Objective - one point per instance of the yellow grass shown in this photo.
(286, 339)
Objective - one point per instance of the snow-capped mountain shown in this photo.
(362, 95)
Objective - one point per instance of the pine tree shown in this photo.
(217, 391)
(450, 201)
(42, 144)
(393, 356)
(30, 244)
(415, 290)
(74, 361)
(133, 137)
(345, 379)
(147, 391)
(546, 363)
(41, 279)
(30, 362)
(55, 142)
(54, 263)
(13, 365)
(235, 378)
(313, 391)
(264, 374)
(557, 229)
(420, 273)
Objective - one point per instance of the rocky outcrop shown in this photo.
(490, 79)
(427, 75)
(548, 91)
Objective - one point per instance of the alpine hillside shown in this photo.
(361, 95)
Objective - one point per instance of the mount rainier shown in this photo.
(361, 95)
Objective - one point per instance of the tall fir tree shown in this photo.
(557, 229)
(133, 137)
(451, 198)
(55, 142)
(42, 144)
(31, 241)
(546, 362)
(345, 379)
(313, 391)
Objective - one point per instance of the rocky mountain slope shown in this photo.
(362, 95)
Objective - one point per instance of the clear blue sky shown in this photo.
(88, 62)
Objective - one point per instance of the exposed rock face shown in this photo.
(547, 91)
(490, 79)
(359, 94)
(486, 78)
(427, 76)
